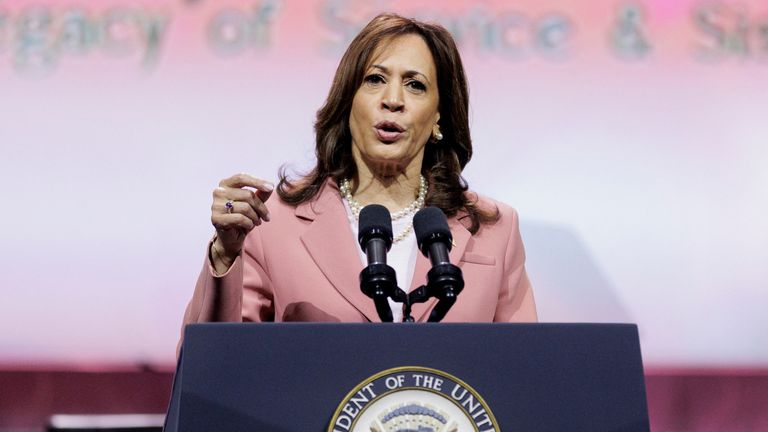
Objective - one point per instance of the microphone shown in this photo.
(375, 233)
(378, 280)
(433, 235)
(445, 280)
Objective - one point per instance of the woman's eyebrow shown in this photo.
(408, 73)
(381, 68)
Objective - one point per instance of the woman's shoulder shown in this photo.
(501, 216)
(492, 203)
(499, 234)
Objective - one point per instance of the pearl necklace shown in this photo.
(410, 210)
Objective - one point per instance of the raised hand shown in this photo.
(238, 206)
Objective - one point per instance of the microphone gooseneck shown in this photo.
(445, 280)
(378, 280)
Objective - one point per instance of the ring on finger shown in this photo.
(229, 205)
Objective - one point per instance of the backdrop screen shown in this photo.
(632, 137)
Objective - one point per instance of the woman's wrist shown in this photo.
(220, 260)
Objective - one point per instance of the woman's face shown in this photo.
(396, 107)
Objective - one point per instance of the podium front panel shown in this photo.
(295, 376)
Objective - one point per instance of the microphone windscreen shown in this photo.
(375, 221)
(430, 223)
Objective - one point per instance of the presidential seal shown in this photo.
(413, 399)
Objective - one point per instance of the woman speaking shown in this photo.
(393, 131)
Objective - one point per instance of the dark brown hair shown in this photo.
(443, 160)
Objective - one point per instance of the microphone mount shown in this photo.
(378, 280)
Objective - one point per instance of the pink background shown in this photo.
(641, 181)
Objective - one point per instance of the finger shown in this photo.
(259, 198)
(223, 194)
(243, 208)
(227, 221)
(234, 194)
(263, 195)
(247, 180)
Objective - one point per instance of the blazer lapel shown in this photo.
(330, 244)
(461, 237)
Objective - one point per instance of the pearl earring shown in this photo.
(436, 134)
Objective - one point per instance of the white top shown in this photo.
(401, 257)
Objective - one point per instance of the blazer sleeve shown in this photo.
(243, 293)
(516, 303)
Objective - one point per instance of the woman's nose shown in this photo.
(392, 99)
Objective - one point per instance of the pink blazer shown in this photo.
(304, 266)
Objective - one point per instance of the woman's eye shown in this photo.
(374, 79)
(416, 85)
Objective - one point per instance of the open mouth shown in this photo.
(389, 126)
(388, 132)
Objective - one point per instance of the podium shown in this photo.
(409, 377)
